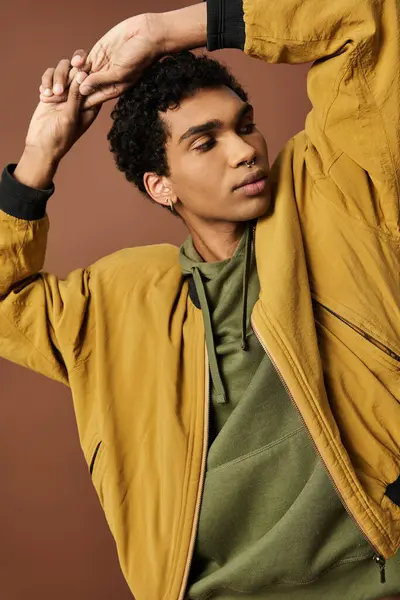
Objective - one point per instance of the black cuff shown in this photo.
(225, 24)
(20, 200)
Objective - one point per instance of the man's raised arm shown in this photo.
(353, 84)
(353, 129)
(40, 316)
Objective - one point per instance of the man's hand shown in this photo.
(53, 130)
(119, 58)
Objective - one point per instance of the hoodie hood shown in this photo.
(193, 265)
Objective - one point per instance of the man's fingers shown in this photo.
(47, 81)
(60, 76)
(79, 58)
(104, 95)
(85, 68)
(95, 82)
(88, 116)
(75, 99)
(79, 62)
(65, 79)
(56, 80)
(54, 99)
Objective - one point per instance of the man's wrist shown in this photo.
(184, 29)
(36, 169)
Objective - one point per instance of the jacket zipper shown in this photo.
(377, 558)
(363, 333)
(201, 488)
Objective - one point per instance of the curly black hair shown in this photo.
(138, 134)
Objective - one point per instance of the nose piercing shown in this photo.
(249, 163)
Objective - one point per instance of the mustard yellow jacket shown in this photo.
(127, 339)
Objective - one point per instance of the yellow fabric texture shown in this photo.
(126, 338)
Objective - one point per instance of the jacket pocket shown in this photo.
(393, 491)
(94, 456)
(103, 481)
(388, 354)
(97, 468)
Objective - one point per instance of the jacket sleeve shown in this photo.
(41, 316)
(353, 129)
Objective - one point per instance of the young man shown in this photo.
(238, 399)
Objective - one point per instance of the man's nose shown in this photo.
(240, 152)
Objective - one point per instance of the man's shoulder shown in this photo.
(146, 264)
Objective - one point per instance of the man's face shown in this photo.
(212, 134)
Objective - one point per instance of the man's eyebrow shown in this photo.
(213, 124)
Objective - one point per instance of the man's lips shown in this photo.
(252, 178)
(254, 188)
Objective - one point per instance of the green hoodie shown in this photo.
(271, 522)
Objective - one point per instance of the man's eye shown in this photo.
(249, 128)
(206, 146)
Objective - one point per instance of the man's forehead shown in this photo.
(204, 105)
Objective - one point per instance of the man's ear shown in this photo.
(159, 189)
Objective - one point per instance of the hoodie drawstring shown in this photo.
(246, 275)
(220, 394)
(212, 356)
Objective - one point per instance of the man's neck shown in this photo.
(218, 242)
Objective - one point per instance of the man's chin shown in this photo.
(256, 207)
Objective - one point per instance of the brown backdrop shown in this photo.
(54, 541)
